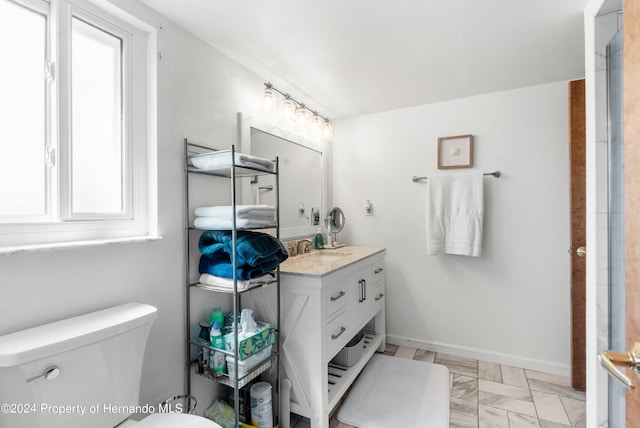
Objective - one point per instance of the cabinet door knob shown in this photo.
(379, 296)
(377, 271)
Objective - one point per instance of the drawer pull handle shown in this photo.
(335, 336)
(377, 271)
(334, 298)
(363, 293)
(379, 296)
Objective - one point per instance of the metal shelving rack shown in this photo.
(234, 172)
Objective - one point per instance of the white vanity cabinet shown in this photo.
(366, 293)
(326, 301)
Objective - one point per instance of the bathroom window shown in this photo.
(74, 148)
(23, 110)
(97, 141)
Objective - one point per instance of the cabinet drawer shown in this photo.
(376, 273)
(336, 297)
(372, 274)
(378, 296)
(336, 334)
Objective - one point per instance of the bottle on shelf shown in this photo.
(261, 407)
(217, 315)
(203, 351)
(328, 242)
(218, 361)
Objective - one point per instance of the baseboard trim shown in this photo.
(481, 354)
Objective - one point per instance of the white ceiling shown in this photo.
(350, 57)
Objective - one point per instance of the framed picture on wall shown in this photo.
(455, 152)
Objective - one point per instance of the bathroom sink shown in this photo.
(333, 253)
(325, 255)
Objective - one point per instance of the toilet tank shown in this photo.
(79, 372)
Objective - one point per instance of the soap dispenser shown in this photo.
(318, 241)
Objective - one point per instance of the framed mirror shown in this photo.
(301, 185)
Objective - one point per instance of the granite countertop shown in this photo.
(319, 263)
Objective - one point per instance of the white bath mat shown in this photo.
(396, 392)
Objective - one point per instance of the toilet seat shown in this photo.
(173, 420)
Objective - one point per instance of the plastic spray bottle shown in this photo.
(218, 361)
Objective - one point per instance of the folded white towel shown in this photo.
(219, 283)
(455, 210)
(222, 161)
(260, 212)
(214, 223)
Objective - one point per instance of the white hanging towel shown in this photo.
(455, 211)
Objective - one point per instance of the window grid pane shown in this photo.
(97, 171)
(23, 175)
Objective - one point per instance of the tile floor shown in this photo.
(490, 395)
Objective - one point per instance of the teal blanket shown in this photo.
(256, 254)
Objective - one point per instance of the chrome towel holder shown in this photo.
(415, 179)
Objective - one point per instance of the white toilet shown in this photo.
(81, 372)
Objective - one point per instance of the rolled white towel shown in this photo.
(242, 211)
(222, 160)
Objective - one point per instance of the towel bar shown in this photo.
(496, 174)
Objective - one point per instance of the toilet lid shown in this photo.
(173, 420)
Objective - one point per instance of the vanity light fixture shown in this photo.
(327, 130)
(302, 117)
(294, 113)
(316, 125)
(268, 102)
(287, 111)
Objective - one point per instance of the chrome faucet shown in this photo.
(304, 246)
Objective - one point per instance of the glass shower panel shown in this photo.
(616, 223)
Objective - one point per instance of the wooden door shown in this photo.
(577, 156)
(631, 73)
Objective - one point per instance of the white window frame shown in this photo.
(129, 80)
(60, 227)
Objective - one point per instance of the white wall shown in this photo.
(199, 92)
(512, 304)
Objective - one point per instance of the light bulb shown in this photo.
(287, 111)
(327, 131)
(302, 118)
(316, 126)
(267, 102)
